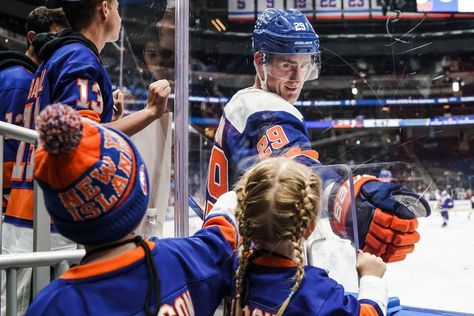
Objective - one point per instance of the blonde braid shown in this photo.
(243, 264)
(308, 206)
(277, 200)
(244, 251)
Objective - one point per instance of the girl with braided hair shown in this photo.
(278, 206)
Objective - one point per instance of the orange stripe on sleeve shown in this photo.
(226, 228)
(20, 204)
(296, 151)
(368, 310)
(7, 173)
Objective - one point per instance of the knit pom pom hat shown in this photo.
(94, 181)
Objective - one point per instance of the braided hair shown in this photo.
(277, 199)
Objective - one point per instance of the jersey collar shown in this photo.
(106, 266)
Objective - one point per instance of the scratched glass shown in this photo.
(395, 96)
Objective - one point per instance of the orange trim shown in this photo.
(7, 174)
(20, 204)
(275, 262)
(108, 265)
(92, 115)
(79, 161)
(368, 310)
(31, 73)
(131, 181)
(226, 228)
(296, 151)
(359, 181)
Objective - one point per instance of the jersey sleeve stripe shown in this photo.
(20, 204)
(296, 151)
(369, 310)
(225, 226)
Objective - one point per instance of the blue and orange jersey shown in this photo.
(195, 275)
(271, 280)
(255, 125)
(16, 73)
(71, 73)
(446, 202)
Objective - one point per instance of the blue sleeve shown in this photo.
(337, 303)
(13, 101)
(211, 248)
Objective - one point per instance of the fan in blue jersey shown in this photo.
(99, 199)
(278, 207)
(72, 73)
(261, 121)
(16, 73)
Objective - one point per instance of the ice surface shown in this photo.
(440, 273)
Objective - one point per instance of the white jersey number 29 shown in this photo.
(299, 26)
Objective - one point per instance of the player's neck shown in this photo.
(257, 84)
(283, 248)
(94, 254)
(96, 34)
(30, 53)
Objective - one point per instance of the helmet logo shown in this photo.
(299, 26)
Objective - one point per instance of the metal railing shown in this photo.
(60, 260)
(41, 222)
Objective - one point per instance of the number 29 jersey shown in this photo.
(255, 125)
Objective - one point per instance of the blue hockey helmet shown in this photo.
(289, 45)
(281, 31)
(385, 174)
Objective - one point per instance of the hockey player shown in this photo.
(261, 121)
(99, 198)
(16, 73)
(445, 203)
(278, 206)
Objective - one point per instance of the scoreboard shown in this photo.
(248, 10)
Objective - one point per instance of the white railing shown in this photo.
(60, 260)
(41, 222)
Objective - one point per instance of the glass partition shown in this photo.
(395, 93)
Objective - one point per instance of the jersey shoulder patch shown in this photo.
(249, 101)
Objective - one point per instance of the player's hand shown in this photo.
(158, 93)
(368, 264)
(386, 218)
(118, 104)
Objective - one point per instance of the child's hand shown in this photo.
(118, 105)
(368, 264)
(158, 93)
